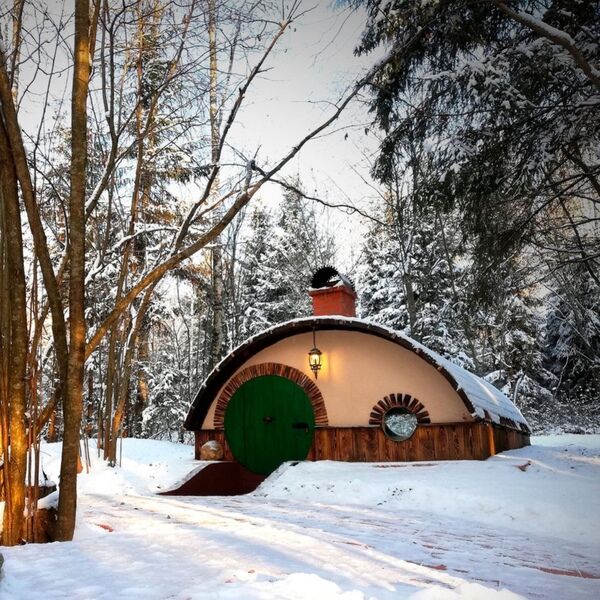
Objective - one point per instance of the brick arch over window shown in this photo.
(398, 401)
(298, 377)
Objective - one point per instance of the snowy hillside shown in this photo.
(522, 524)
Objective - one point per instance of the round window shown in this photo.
(399, 423)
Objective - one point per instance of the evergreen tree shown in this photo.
(573, 347)
(301, 246)
(510, 338)
(504, 102)
(279, 261)
(261, 292)
(382, 295)
(414, 278)
(409, 283)
(498, 97)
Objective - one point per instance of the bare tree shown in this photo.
(116, 122)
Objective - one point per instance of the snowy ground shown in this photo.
(523, 524)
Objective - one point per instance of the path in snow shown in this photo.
(324, 531)
(247, 548)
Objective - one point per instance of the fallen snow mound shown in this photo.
(543, 489)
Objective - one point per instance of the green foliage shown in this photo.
(495, 122)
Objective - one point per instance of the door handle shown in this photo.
(268, 419)
(300, 426)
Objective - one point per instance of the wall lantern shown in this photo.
(314, 357)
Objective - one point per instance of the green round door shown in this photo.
(268, 421)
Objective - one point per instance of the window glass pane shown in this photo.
(399, 423)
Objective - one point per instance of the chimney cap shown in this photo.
(327, 277)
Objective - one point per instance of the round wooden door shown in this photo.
(269, 420)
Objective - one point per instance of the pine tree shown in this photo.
(498, 97)
(301, 246)
(279, 261)
(382, 295)
(414, 278)
(260, 290)
(510, 337)
(505, 103)
(408, 283)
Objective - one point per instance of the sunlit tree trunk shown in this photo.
(118, 386)
(143, 390)
(127, 371)
(17, 26)
(15, 342)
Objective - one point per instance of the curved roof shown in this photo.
(482, 399)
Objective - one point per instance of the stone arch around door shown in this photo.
(295, 375)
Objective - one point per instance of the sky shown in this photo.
(313, 67)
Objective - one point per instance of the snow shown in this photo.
(446, 488)
(523, 524)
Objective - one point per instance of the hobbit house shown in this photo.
(334, 387)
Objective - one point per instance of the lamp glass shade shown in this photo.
(314, 360)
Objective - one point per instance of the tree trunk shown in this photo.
(4, 357)
(73, 405)
(112, 365)
(40, 242)
(51, 435)
(411, 305)
(217, 337)
(17, 334)
(126, 376)
(143, 391)
(467, 327)
(17, 24)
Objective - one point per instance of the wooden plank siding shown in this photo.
(508, 439)
(450, 441)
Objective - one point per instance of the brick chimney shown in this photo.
(332, 294)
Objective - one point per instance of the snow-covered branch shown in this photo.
(556, 36)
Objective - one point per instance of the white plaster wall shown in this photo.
(358, 370)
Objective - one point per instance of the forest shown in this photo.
(137, 248)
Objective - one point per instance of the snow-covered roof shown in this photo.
(484, 397)
(483, 400)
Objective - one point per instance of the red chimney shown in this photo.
(332, 294)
